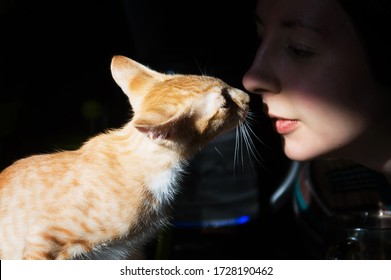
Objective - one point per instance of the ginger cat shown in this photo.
(106, 199)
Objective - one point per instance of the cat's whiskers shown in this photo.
(238, 146)
(217, 150)
(204, 71)
(245, 136)
(251, 120)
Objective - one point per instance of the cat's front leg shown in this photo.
(41, 244)
(38, 250)
(50, 247)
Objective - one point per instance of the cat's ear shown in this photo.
(158, 130)
(134, 78)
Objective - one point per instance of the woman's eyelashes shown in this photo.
(300, 51)
(295, 49)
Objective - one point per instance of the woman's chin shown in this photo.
(301, 153)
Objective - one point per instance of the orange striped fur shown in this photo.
(106, 199)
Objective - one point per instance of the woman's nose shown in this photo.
(262, 78)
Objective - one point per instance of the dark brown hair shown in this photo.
(372, 20)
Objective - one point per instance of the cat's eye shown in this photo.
(225, 105)
(228, 100)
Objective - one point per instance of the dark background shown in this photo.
(56, 91)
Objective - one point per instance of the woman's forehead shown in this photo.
(321, 16)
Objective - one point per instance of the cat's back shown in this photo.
(27, 171)
(26, 183)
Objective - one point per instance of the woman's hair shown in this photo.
(372, 20)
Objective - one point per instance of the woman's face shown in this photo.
(313, 75)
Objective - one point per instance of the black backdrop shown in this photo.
(56, 89)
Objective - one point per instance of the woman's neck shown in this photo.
(374, 148)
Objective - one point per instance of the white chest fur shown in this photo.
(164, 184)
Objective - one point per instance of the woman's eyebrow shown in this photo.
(300, 24)
(293, 24)
(296, 23)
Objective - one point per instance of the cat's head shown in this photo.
(179, 111)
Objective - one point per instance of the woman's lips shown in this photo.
(285, 126)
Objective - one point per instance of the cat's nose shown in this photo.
(246, 97)
(241, 98)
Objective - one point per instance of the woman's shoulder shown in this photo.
(342, 186)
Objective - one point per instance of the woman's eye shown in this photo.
(300, 52)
